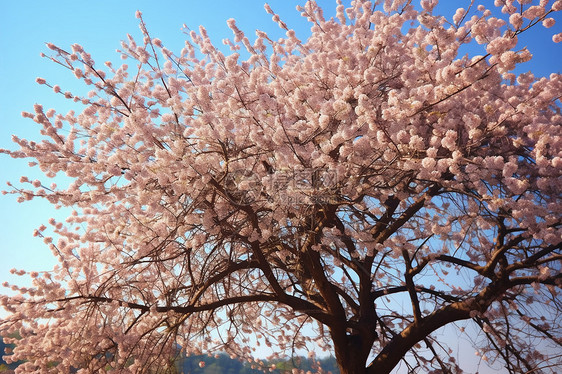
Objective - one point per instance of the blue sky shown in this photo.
(25, 27)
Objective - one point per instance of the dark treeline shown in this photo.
(222, 364)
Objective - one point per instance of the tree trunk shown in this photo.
(350, 358)
(353, 349)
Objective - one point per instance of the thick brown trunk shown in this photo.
(354, 339)
(350, 358)
(353, 349)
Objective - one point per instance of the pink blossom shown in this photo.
(429, 163)
(516, 20)
(548, 22)
(428, 5)
(77, 48)
(459, 14)
(500, 45)
(532, 12)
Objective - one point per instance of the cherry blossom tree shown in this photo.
(355, 192)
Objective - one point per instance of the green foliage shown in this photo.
(327, 364)
(222, 364)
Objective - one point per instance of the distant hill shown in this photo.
(222, 364)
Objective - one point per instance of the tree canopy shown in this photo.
(353, 192)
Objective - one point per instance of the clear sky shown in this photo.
(99, 26)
